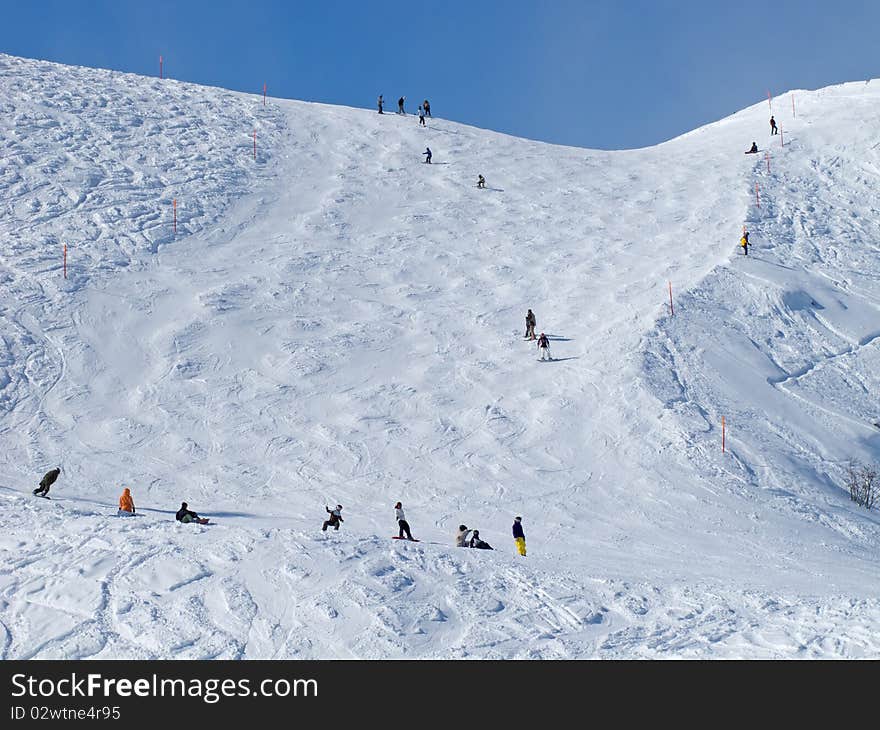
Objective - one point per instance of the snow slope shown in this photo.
(338, 322)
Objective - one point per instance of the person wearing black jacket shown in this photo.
(519, 537)
(187, 516)
(47, 481)
(335, 517)
(476, 542)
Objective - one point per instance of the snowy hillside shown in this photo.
(336, 321)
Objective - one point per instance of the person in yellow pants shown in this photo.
(519, 537)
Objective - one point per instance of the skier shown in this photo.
(380, 102)
(753, 150)
(428, 155)
(479, 544)
(519, 537)
(427, 108)
(461, 537)
(400, 105)
(47, 481)
(422, 117)
(544, 347)
(744, 242)
(481, 181)
(773, 129)
(335, 517)
(401, 522)
(531, 322)
(186, 516)
(126, 504)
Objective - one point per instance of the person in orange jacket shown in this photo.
(126, 504)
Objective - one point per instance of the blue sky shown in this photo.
(601, 74)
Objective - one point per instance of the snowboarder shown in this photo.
(427, 108)
(753, 150)
(186, 516)
(401, 522)
(773, 129)
(531, 323)
(335, 518)
(126, 504)
(400, 105)
(47, 481)
(477, 543)
(461, 537)
(481, 181)
(380, 102)
(519, 537)
(744, 242)
(428, 155)
(422, 117)
(544, 347)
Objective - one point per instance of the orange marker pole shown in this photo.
(264, 94)
(671, 308)
(255, 144)
(781, 139)
(757, 196)
(174, 205)
(723, 436)
(65, 260)
(160, 68)
(793, 113)
(767, 157)
(769, 100)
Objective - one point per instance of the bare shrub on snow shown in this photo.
(862, 483)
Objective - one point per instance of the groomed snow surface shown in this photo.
(338, 322)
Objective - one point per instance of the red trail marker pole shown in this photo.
(757, 196)
(160, 68)
(723, 436)
(264, 94)
(174, 205)
(255, 144)
(792, 107)
(781, 139)
(65, 260)
(769, 100)
(767, 157)
(671, 308)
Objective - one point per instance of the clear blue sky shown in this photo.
(604, 74)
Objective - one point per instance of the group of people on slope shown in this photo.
(463, 538)
(744, 240)
(126, 501)
(424, 108)
(543, 340)
(774, 129)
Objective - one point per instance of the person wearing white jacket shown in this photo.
(461, 537)
(401, 522)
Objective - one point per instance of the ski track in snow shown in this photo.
(337, 322)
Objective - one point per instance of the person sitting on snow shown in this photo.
(754, 149)
(477, 543)
(186, 516)
(126, 504)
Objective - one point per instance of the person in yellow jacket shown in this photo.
(126, 504)
(744, 242)
(519, 537)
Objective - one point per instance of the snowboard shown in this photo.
(395, 537)
(44, 496)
